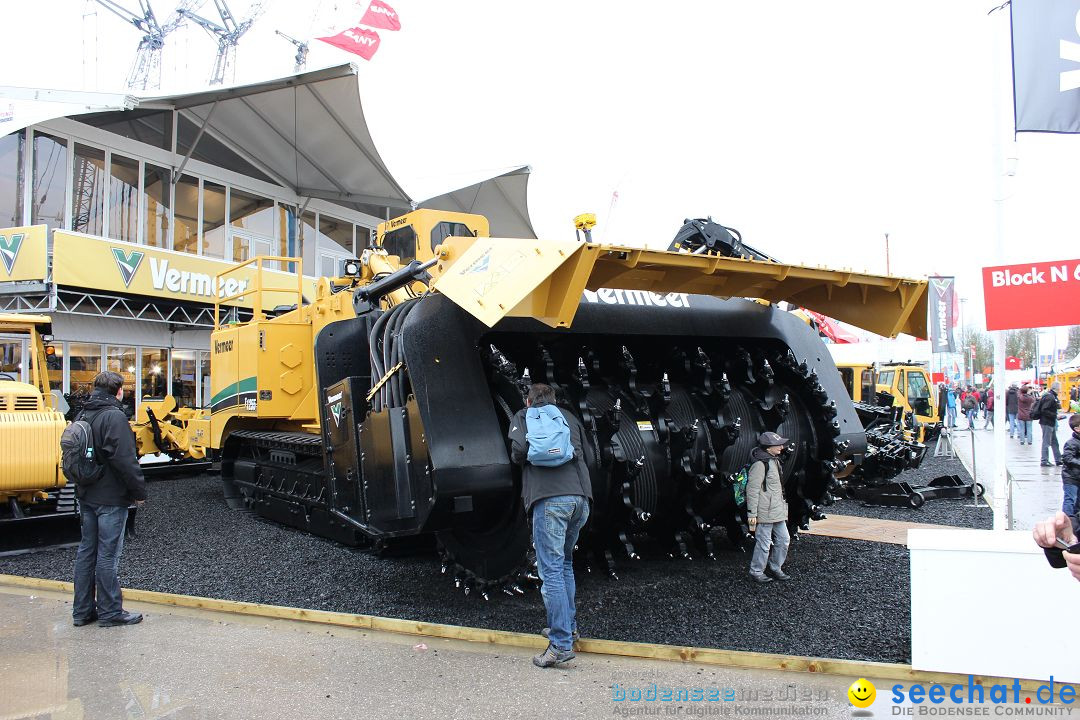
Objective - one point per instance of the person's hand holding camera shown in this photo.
(1048, 531)
(1051, 533)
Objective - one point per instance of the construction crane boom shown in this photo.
(300, 58)
(209, 25)
(227, 34)
(145, 71)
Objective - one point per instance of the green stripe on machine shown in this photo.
(245, 385)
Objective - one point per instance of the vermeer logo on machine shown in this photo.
(9, 250)
(128, 263)
(335, 408)
(479, 265)
(222, 346)
(637, 297)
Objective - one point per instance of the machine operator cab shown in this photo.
(910, 387)
(904, 385)
(415, 235)
(395, 269)
(860, 381)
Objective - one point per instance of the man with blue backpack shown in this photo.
(555, 487)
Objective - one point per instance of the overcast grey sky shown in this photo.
(813, 128)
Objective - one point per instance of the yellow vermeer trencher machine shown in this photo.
(376, 412)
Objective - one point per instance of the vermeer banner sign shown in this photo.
(23, 254)
(93, 263)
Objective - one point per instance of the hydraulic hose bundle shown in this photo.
(386, 350)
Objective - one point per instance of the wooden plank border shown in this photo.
(653, 651)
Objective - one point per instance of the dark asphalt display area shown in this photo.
(848, 599)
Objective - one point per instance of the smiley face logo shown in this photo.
(862, 693)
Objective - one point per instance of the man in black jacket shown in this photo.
(557, 499)
(104, 506)
(1047, 409)
(1012, 407)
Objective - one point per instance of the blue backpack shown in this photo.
(548, 436)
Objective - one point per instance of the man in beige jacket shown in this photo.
(767, 510)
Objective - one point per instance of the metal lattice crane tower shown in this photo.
(227, 33)
(301, 51)
(146, 70)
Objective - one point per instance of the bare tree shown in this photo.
(1021, 344)
(1073, 348)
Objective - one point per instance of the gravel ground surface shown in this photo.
(940, 512)
(849, 599)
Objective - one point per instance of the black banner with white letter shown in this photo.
(942, 314)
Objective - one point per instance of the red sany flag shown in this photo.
(382, 16)
(361, 41)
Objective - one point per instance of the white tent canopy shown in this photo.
(503, 199)
(21, 107)
(306, 133)
(1069, 366)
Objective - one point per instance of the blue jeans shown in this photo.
(1014, 427)
(1025, 431)
(971, 416)
(950, 415)
(98, 560)
(771, 547)
(1068, 505)
(557, 521)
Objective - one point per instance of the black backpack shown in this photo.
(1041, 410)
(79, 459)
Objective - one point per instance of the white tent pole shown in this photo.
(1002, 520)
